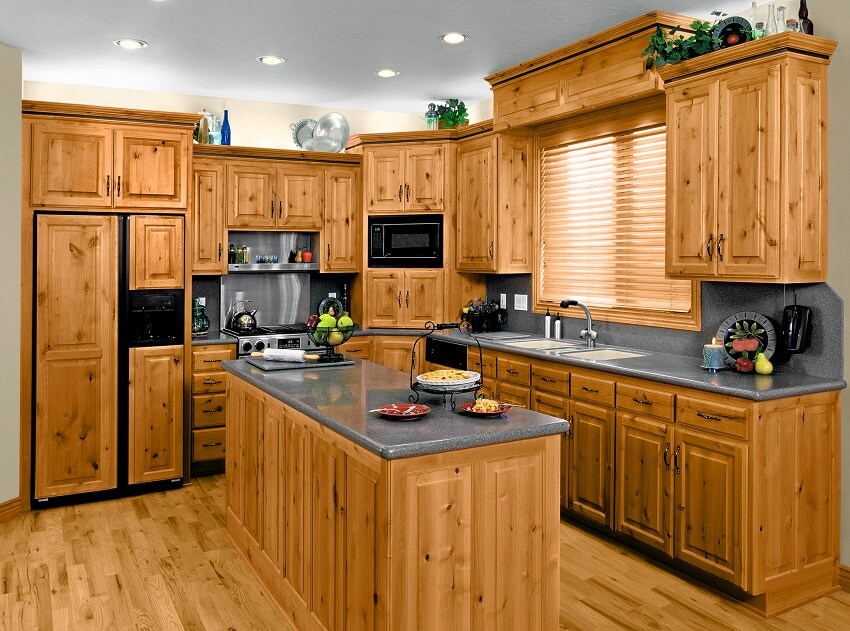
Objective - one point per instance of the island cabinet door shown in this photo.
(253, 451)
(644, 485)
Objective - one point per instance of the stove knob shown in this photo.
(260, 345)
(246, 347)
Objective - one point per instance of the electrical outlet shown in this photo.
(202, 301)
(331, 294)
(520, 302)
(503, 301)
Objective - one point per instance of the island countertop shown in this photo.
(341, 397)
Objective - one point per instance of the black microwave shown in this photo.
(406, 241)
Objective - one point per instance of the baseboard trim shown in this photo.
(10, 509)
(844, 578)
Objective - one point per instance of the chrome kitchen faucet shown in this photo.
(586, 334)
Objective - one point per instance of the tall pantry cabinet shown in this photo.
(97, 182)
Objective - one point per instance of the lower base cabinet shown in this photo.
(346, 540)
(394, 351)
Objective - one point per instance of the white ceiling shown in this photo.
(333, 47)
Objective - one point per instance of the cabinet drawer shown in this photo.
(712, 415)
(518, 372)
(208, 444)
(208, 382)
(357, 348)
(209, 409)
(592, 389)
(513, 394)
(650, 401)
(210, 357)
(552, 378)
(485, 363)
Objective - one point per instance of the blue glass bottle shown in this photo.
(225, 130)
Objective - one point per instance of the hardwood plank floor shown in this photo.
(163, 561)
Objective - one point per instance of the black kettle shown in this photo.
(243, 320)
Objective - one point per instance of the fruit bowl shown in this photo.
(329, 338)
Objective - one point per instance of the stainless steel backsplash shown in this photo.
(279, 298)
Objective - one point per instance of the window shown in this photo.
(601, 221)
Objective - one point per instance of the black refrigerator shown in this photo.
(107, 357)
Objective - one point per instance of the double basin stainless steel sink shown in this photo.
(575, 348)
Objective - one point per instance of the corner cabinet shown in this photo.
(494, 204)
(746, 162)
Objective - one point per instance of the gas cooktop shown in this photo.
(293, 336)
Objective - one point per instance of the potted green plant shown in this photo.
(452, 114)
(665, 47)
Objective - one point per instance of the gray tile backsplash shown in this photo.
(719, 300)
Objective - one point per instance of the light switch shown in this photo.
(202, 301)
(520, 302)
(331, 294)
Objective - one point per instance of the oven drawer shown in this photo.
(208, 444)
(209, 409)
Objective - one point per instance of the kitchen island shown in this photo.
(357, 522)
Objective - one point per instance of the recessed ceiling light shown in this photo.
(130, 44)
(454, 38)
(387, 73)
(271, 60)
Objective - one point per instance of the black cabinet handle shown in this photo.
(329, 252)
(219, 252)
(218, 444)
(272, 210)
(709, 417)
(107, 186)
(280, 208)
(118, 187)
(399, 192)
(676, 459)
(720, 246)
(708, 245)
(212, 361)
(399, 298)
(407, 299)
(491, 249)
(211, 382)
(641, 401)
(407, 192)
(212, 410)
(593, 390)
(547, 379)
(666, 459)
(511, 371)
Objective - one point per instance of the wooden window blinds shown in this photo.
(601, 226)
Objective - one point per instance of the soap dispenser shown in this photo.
(557, 335)
(547, 325)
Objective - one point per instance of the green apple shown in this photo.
(344, 322)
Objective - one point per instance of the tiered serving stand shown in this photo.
(448, 392)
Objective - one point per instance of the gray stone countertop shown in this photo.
(213, 336)
(341, 397)
(677, 370)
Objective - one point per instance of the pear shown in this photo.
(763, 365)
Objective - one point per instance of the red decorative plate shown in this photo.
(403, 411)
(466, 408)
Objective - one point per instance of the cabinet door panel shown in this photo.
(156, 252)
(476, 206)
(384, 298)
(423, 179)
(748, 173)
(156, 414)
(208, 256)
(341, 232)
(514, 206)
(384, 179)
(512, 393)
(395, 352)
(297, 511)
(423, 297)
(151, 168)
(250, 196)
(691, 179)
(75, 354)
(274, 458)
(711, 495)
(645, 480)
(591, 460)
(299, 197)
(71, 164)
(253, 439)
(363, 572)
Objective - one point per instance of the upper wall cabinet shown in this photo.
(400, 179)
(101, 165)
(208, 231)
(494, 204)
(601, 71)
(746, 162)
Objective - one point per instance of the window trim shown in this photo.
(584, 127)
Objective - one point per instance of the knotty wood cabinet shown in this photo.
(208, 223)
(156, 252)
(155, 414)
(403, 298)
(746, 159)
(104, 165)
(339, 251)
(346, 540)
(494, 204)
(209, 406)
(76, 349)
(404, 179)
(396, 352)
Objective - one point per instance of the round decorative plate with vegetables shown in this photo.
(744, 335)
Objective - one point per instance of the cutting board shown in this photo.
(268, 366)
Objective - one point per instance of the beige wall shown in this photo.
(253, 123)
(832, 19)
(10, 279)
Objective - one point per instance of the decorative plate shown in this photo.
(466, 408)
(746, 333)
(731, 31)
(332, 306)
(302, 131)
(403, 411)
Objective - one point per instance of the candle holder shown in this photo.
(713, 356)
